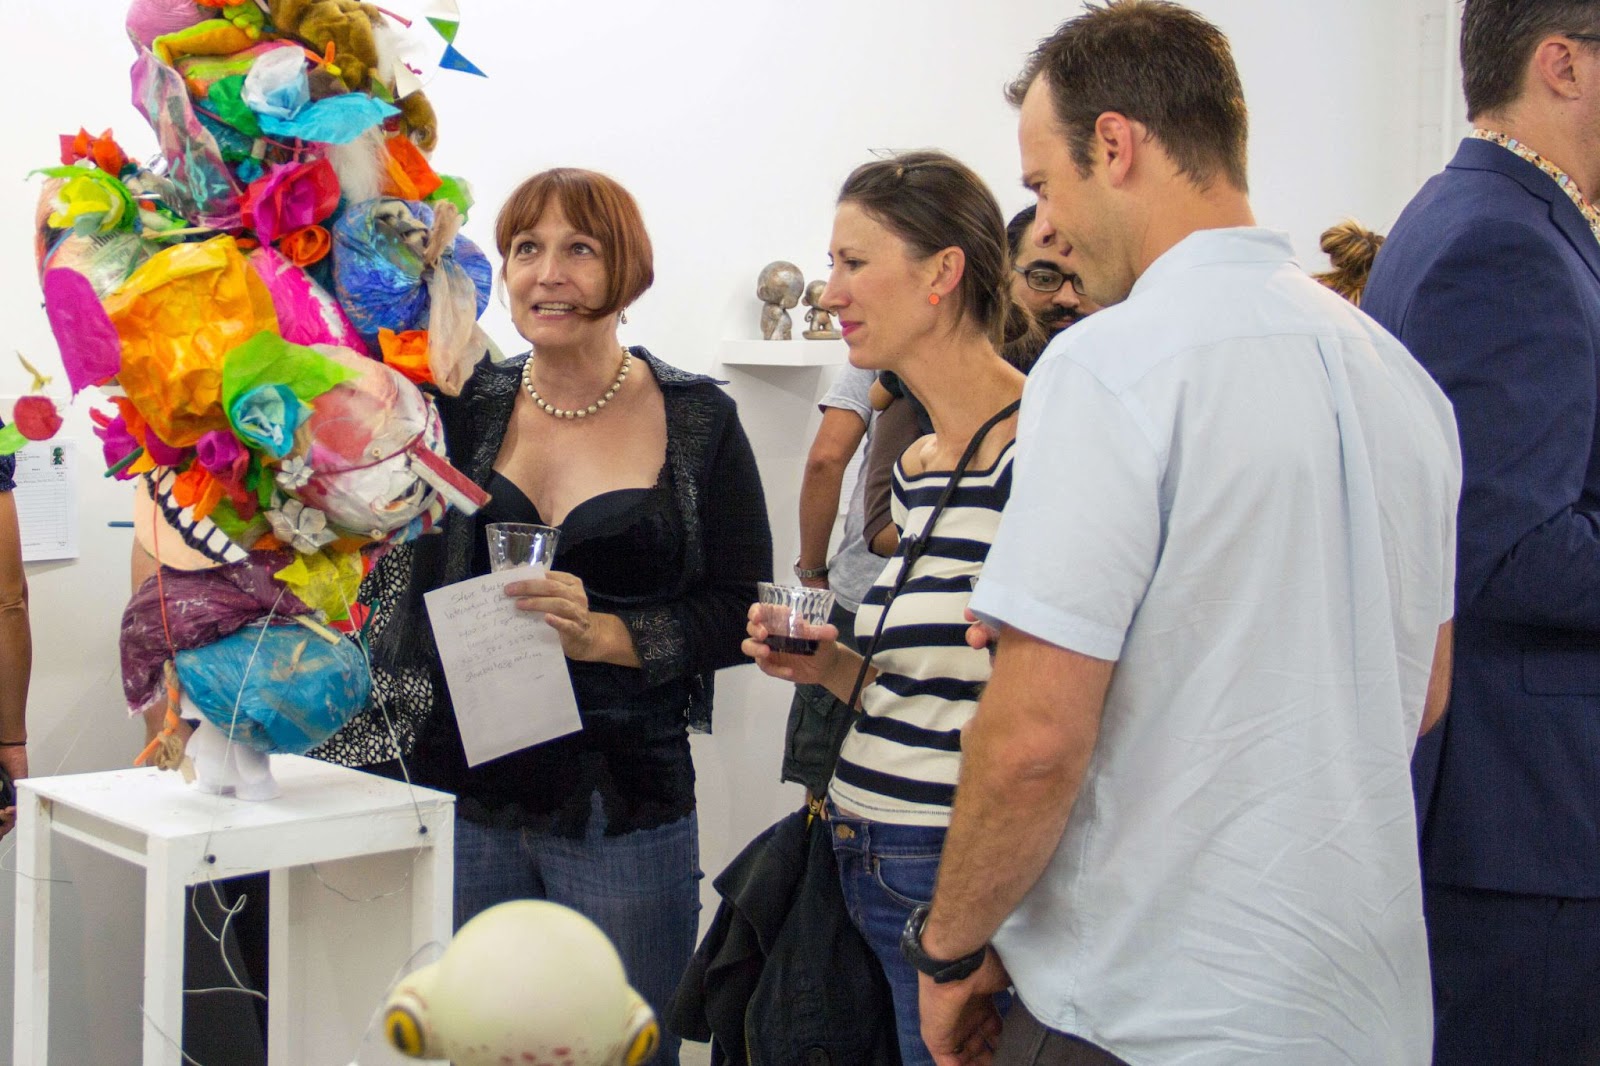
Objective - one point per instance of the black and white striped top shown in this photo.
(900, 761)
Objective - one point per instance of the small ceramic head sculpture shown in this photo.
(524, 982)
(819, 318)
(778, 288)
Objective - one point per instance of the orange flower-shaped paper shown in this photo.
(103, 151)
(133, 423)
(306, 245)
(196, 488)
(409, 177)
(408, 353)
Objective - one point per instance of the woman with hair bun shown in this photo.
(1351, 248)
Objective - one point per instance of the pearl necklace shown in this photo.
(577, 412)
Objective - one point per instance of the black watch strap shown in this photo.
(943, 971)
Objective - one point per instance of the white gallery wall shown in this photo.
(733, 122)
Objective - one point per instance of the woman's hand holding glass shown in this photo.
(586, 636)
(812, 668)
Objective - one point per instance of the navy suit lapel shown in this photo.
(1486, 155)
(1570, 221)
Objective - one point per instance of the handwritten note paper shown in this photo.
(507, 675)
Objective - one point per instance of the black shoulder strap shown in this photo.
(913, 547)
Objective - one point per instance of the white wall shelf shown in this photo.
(783, 353)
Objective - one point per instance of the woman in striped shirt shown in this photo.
(921, 286)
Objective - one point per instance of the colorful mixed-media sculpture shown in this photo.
(268, 303)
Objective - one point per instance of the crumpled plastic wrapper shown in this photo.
(90, 350)
(195, 162)
(106, 259)
(290, 196)
(149, 19)
(282, 690)
(178, 316)
(278, 91)
(380, 272)
(327, 580)
(268, 385)
(201, 606)
(360, 435)
(394, 269)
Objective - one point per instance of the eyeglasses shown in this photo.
(1592, 38)
(1044, 279)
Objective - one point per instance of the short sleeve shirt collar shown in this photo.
(1206, 247)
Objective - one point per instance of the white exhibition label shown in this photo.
(47, 503)
(505, 668)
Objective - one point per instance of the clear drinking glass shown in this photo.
(514, 544)
(788, 611)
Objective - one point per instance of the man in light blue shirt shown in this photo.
(1184, 829)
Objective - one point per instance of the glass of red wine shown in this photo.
(791, 614)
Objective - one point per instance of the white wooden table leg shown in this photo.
(30, 1021)
(285, 980)
(433, 886)
(163, 958)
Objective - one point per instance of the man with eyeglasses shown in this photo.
(1491, 277)
(1042, 283)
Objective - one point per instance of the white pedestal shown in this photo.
(339, 819)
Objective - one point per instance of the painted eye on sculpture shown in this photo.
(404, 1031)
(644, 1045)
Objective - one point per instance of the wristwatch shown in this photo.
(811, 573)
(943, 971)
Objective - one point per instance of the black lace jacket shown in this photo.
(728, 548)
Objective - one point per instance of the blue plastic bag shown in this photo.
(379, 272)
(297, 692)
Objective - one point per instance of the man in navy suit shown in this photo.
(1492, 278)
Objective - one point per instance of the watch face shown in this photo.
(941, 970)
(911, 940)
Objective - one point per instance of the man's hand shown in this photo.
(980, 634)
(960, 1024)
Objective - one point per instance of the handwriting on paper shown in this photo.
(506, 672)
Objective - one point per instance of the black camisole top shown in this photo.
(633, 752)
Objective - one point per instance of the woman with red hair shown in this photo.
(646, 471)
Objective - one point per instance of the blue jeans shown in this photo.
(887, 871)
(641, 888)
